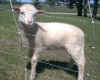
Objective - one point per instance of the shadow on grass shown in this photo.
(52, 65)
(98, 18)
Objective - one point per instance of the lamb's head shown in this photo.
(27, 13)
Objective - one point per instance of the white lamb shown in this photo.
(51, 34)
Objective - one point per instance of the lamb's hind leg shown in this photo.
(77, 53)
(34, 61)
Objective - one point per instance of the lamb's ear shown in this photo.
(17, 10)
(40, 12)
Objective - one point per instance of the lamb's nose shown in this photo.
(29, 22)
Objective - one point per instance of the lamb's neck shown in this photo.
(30, 29)
(30, 33)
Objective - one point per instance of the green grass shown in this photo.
(12, 57)
(58, 9)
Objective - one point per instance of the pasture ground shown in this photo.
(12, 57)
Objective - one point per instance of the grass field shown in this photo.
(12, 57)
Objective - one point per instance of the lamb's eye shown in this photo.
(22, 13)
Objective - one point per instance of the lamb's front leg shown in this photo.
(34, 61)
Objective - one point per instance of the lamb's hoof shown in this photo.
(93, 47)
